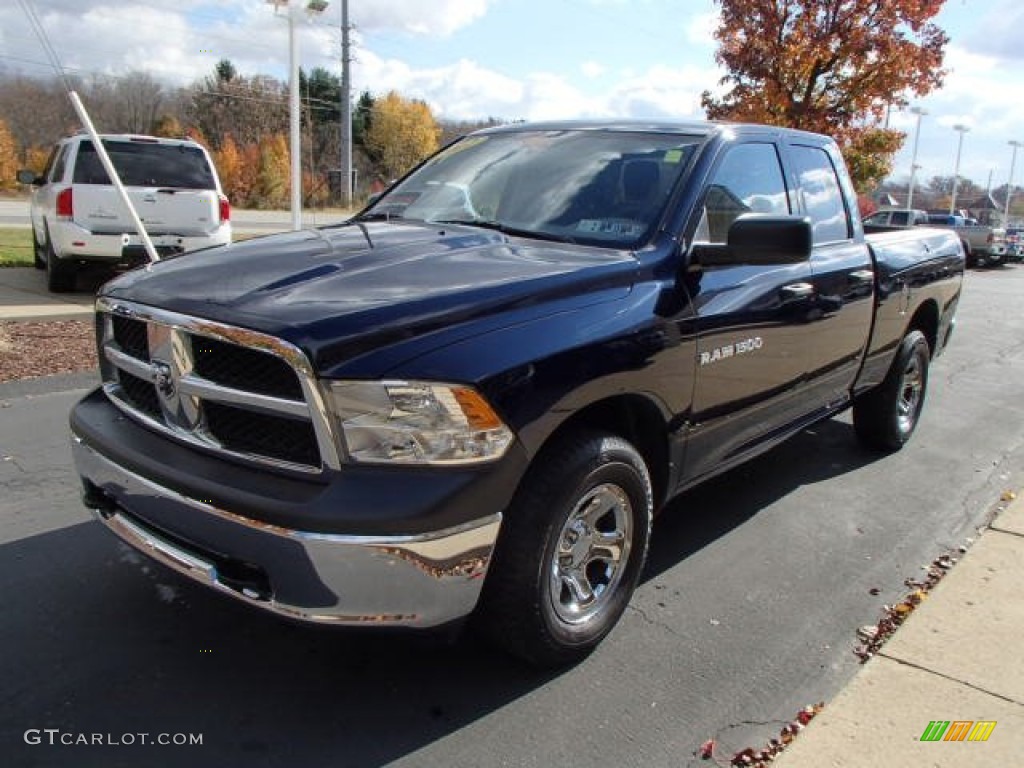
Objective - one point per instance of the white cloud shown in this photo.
(982, 92)
(439, 17)
(701, 29)
(592, 69)
(460, 91)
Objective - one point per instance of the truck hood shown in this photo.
(341, 292)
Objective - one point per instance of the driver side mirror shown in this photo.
(29, 177)
(757, 239)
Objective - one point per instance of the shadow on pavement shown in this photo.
(93, 646)
(705, 513)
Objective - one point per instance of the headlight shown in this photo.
(415, 422)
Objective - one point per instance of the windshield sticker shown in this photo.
(673, 155)
(610, 227)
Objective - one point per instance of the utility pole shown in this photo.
(346, 110)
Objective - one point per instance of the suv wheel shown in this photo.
(60, 275)
(38, 254)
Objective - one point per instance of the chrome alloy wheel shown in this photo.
(591, 554)
(911, 390)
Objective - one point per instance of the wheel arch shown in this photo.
(634, 418)
(926, 320)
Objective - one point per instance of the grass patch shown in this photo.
(15, 247)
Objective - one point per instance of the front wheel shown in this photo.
(886, 416)
(572, 547)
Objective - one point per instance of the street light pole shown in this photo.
(295, 148)
(1009, 185)
(961, 129)
(295, 141)
(346, 109)
(913, 162)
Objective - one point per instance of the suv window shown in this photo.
(748, 180)
(821, 194)
(146, 165)
(57, 173)
(901, 218)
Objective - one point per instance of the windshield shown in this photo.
(598, 187)
(141, 164)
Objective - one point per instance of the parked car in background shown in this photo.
(982, 244)
(897, 217)
(78, 216)
(1015, 244)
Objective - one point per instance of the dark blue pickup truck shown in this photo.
(472, 397)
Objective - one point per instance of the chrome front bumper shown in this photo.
(404, 581)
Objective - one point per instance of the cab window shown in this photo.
(748, 180)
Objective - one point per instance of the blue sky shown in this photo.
(527, 59)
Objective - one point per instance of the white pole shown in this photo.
(1009, 185)
(346, 110)
(295, 148)
(961, 129)
(913, 162)
(108, 166)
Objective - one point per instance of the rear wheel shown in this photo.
(571, 551)
(38, 254)
(886, 416)
(60, 275)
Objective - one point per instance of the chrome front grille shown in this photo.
(228, 389)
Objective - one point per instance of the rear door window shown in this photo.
(821, 194)
(146, 165)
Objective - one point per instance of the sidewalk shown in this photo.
(24, 296)
(958, 657)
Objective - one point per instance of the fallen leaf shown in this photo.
(707, 749)
(867, 632)
(1008, 496)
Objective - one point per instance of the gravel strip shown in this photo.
(32, 349)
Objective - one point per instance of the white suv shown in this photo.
(77, 215)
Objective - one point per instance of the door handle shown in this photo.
(797, 291)
(863, 276)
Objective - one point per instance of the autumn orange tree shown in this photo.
(8, 158)
(831, 66)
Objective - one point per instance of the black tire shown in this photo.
(38, 255)
(886, 416)
(60, 275)
(589, 497)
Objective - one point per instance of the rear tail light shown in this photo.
(991, 238)
(65, 204)
(225, 209)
